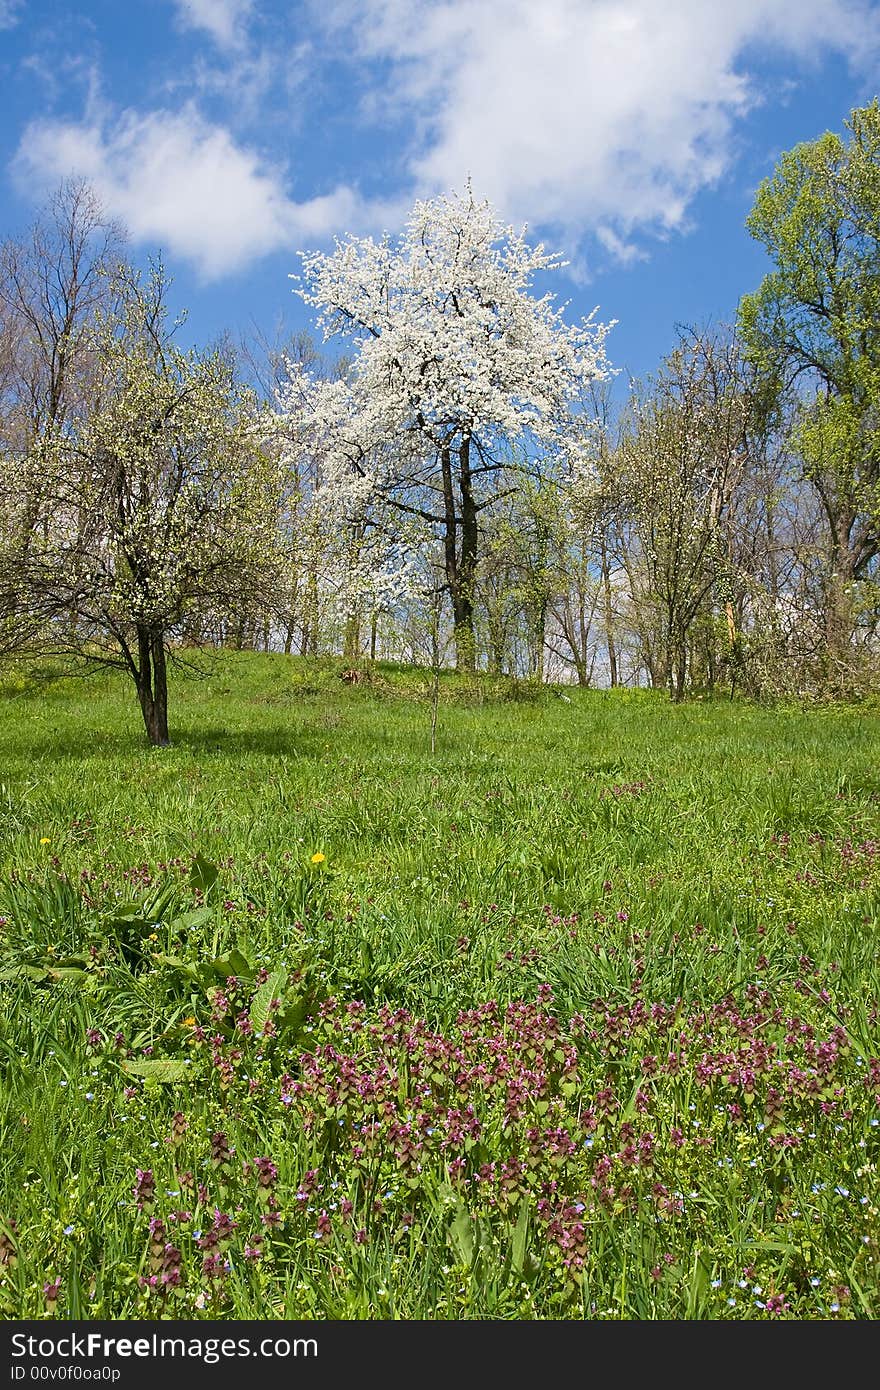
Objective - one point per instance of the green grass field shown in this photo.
(576, 1017)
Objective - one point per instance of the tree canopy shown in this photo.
(455, 360)
(813, 326)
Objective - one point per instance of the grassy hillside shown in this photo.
(575, 1017)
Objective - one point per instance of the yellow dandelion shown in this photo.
(318, 858)
(189, 1022)
(44, 840)
(153, 936)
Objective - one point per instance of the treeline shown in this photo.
(468, 483)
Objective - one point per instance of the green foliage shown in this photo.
(818, 217)
(813, 326)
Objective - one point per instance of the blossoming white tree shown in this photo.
(455, 361)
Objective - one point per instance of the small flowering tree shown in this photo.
(680, 461)
(157, 505)
(455, 361)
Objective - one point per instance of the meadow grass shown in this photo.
(576, 1017)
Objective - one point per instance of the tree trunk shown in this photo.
(539, 633)
(581, 671)
(656, 662)
(461, 627)
(496, 644)
(678, 672)
(579, 642)
(310, 625)
(839, 621)
(352, 648)
(772, 562)
(152, 684)
(609, 615)
(465, 643)
(460, 563)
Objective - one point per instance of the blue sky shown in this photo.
(628, 134)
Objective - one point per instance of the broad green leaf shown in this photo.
(31, 972)
(520, 1239)
(698, 1285)
(155, 1069)
(188, 920)
(461, 1235)
(176, 963)
(294, 1013)
(124, 912)
(270, 989)
(131, 922)
(233, 963)
(203, 875)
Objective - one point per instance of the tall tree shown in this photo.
(680, 456)
(156, 503)
(53, 281)
(454, 360)
(813, 326)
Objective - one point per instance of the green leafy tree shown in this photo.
(813, 326)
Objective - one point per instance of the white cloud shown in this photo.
(606, 116)
(9, 13)
(224, 20)
(180, 182)
(626, 252)
(601, 117)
